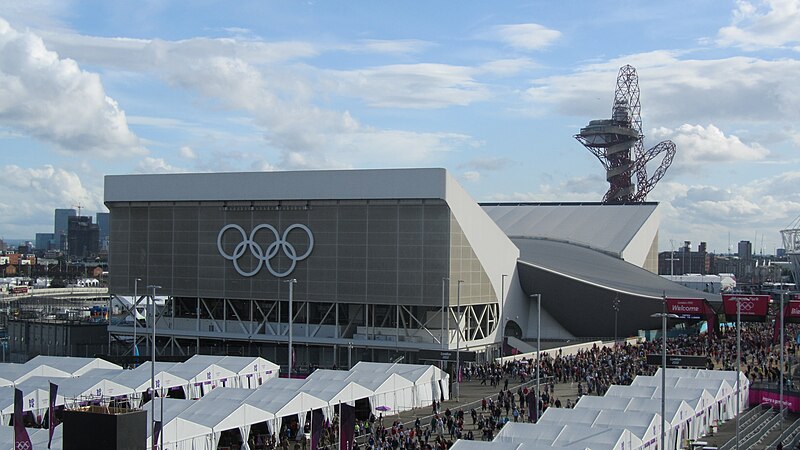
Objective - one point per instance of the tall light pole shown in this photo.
(152, 300)
(291, 313)
(136, 281)
(615, 306)
(538, 348)
(458, 342)
(444, 288)
(782, 364)
(664, 316)
(738, 363)
(502, 327)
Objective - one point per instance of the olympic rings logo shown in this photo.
(746, 304)
(280, 242)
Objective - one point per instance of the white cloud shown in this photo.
(676, 91)
(187, 152)
(281, 98)
(526, 36)
(763, 24)
(487, 163)
(697, 144)
(157, 165)
(394, 46)
(52, 99)
(473, 176)
(420, 86)
(710, 212)
(43, 189)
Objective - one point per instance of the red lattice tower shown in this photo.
(619, 144)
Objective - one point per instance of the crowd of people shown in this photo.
(589, 372)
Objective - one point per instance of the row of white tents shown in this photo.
(222, 393)
(198, 424)
(629, 417)
(82, 380)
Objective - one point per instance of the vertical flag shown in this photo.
(156, 433)
(316, 427)
(51, 413)
(347, 420)
(21, 439)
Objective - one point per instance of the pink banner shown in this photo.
(790, 400)
(687, 308)
(753, 307)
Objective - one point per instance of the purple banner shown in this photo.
(156, 433)
(21, 438)
(51, 413)
(790, 399)
(316, 427)
(347, 417)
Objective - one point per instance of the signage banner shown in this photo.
(791, 400)
(447, 355)
(700, 362)
(347, 422)
(753, 307)
(687, 308)
(791, 312)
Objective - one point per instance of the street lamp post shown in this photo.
(136, 281)
(291, 313)
(458, 342)
(664, 316)
(444, 288)
(615, 305)
(153, 370)
(782, 364)
(502, 327)
(538, 348)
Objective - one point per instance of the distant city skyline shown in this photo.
(494, 93)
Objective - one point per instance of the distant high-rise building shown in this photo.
(62, 227)
(44, 242)
(780, 252)
(745, 250)
(83, 237)
(103, 221)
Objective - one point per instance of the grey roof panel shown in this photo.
(602, 226)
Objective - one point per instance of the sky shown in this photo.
(492, 91)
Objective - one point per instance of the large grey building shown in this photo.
(61, 226)
(378, 264)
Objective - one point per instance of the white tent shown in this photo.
(563, 416)
(391, 392)
(703, 403)
(598, 438)
(723, 393)
(202, 376)
(251, 371)
(280, 397)
(430, 382)
(175, 429)
(645, 426)
(17, 373)
(601, 403)
(678, 414)
(73, 366)
(730, 376)
(220, 415)
(139, 378)
(536, 434)
(617, 390)
(567, 435)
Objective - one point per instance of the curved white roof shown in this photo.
(605, 227)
